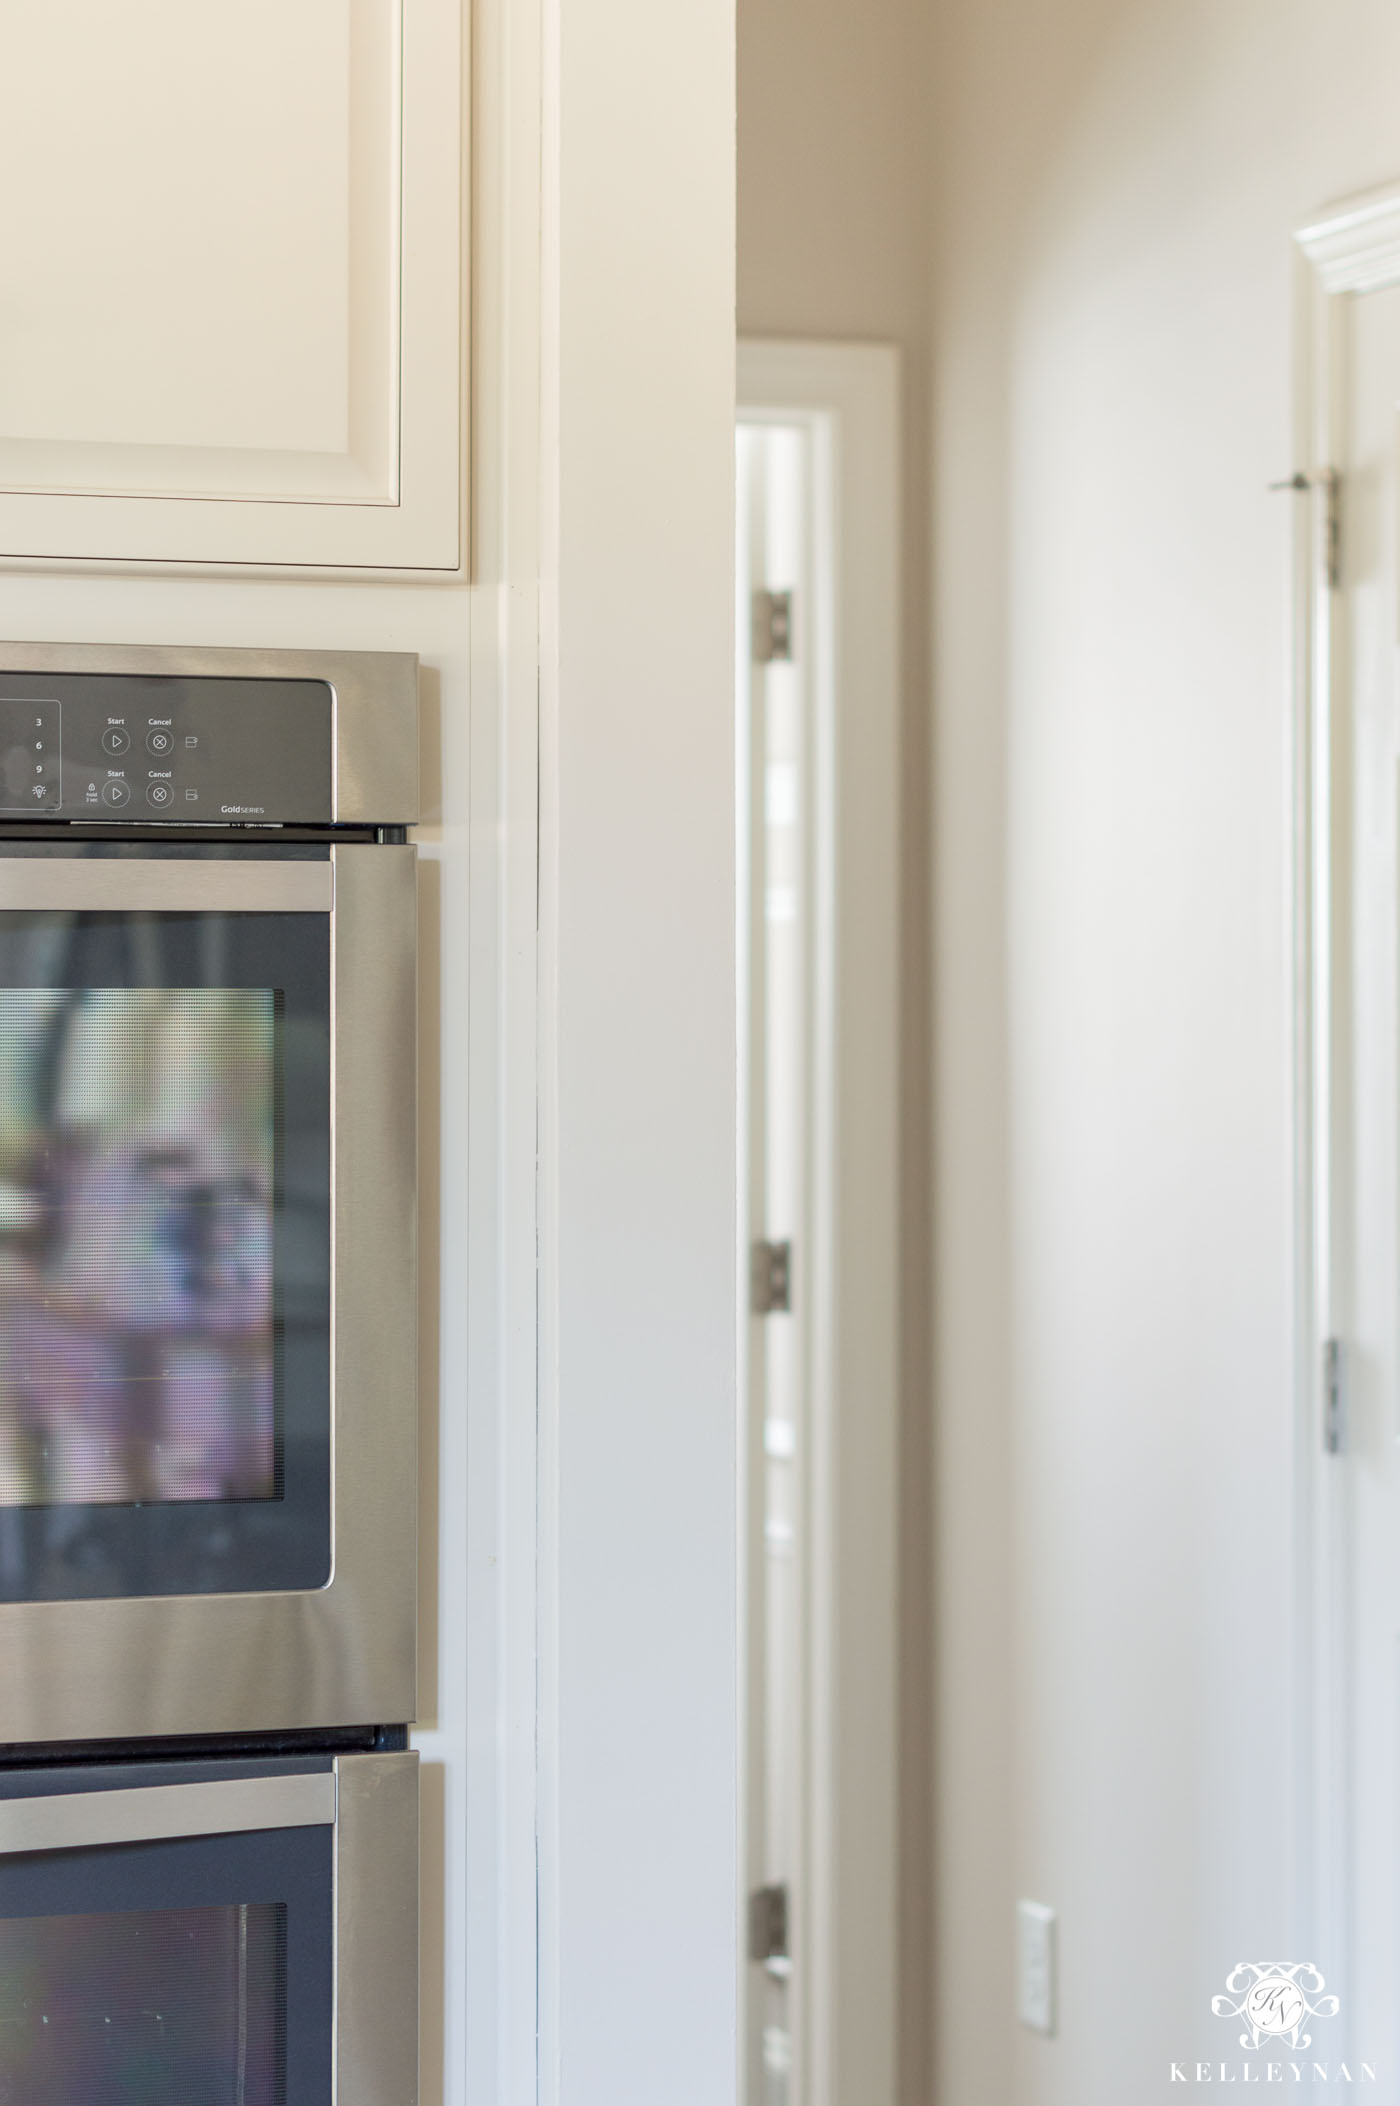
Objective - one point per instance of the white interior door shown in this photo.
(1364, 1212)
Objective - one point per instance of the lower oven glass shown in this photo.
(171, 2007)
(164, 1253)
(180, 1971)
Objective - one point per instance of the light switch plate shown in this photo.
(1035, 1966)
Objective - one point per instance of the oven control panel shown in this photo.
(187, 752)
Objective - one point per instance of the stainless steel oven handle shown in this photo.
(238, 884)
(80, 1820)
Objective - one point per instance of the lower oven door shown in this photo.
(205, 1934)
(207, 1302)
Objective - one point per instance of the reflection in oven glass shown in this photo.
(138, 1138)
(164, 2007)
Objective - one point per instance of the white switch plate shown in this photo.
(1035, 1966)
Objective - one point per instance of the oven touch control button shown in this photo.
(115, 740)
(159, 793)
(115, 793)
(160, 741)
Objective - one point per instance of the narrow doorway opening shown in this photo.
(816, 784)
(782, 677)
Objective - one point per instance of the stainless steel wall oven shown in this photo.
(208, 1470)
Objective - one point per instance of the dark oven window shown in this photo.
(138, 1179)
(167, 2006)
(164, 1253)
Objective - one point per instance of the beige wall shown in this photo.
(833, 154)
(1117, 181)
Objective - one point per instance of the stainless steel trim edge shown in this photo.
(147, 1813)
(164, 885)
(376, 1931)
(374, 1315)
(376, 770)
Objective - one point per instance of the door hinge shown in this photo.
(772, 627)
(768, 1923)
(1334, 1396)
(1329, 481)
(770, 1278)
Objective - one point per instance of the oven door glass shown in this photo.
(165, 1259)
(169, 1970)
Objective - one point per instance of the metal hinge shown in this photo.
(772, 627)
(1329, 481)
(768, 1923)
(1334, 1396)
(770, 1277)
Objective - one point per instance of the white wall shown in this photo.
(639, 1623)
(1116, 187)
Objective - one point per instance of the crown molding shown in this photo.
(1355, 247)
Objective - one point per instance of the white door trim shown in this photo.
(849, 394)
(1343, 253)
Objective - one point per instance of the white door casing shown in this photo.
(233, 283)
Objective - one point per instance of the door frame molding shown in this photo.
(848, 396)
(1342, 253)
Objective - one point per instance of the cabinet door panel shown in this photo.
(231, 235)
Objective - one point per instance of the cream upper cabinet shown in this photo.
(231, 277)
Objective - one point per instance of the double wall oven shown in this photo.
(208, 1813)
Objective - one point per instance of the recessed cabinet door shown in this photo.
(230, 282)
